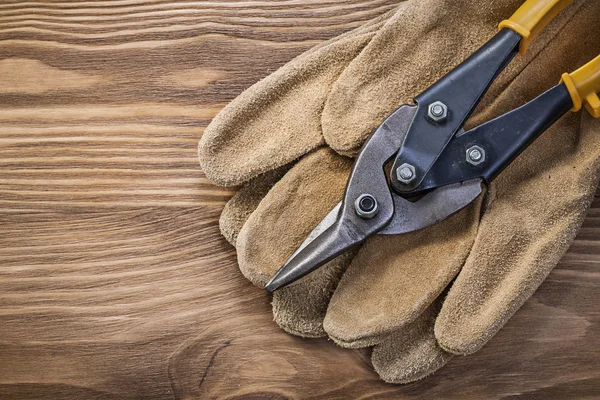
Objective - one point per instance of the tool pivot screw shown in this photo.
(438, 111)
(475, 155)
(406, 173)
(366, 206)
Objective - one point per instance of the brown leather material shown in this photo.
(278, 120)
(393, 279)
(489, 258)
(302, 198)
(411, 353)
(244, 202)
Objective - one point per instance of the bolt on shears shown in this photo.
(438, 168)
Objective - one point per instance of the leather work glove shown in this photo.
(417, 298)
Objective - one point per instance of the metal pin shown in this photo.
(475, 155)
(437, 111)
(366, 206)
(406, 173)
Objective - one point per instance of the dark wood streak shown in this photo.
(114, 280)
(212, 361)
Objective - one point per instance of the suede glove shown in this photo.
(420, 297)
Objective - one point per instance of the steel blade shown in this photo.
(351, 228)
(332, 242)
(433, 208)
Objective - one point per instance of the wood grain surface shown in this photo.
(114, 280)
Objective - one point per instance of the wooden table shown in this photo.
(114, 280)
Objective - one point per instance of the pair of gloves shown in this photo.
(420, 298)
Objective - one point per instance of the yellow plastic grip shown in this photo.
(584, 85)
(532, 17)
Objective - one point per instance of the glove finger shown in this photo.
(523, 236)
(238, 209)
(413, 271)
(278, 119)
(283, 219)
(412, 353)
(393, 279)
(540, 203)
(300, 309)
(416, 47)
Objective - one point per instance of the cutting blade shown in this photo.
(334, 235)
(433, 208)
(349, 228)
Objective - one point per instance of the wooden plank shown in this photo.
(114, 280)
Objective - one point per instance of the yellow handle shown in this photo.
(532, 17)
(584, 86)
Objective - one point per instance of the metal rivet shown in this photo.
(475, 155)
(406, 173)
(366, 206)
(437, 111)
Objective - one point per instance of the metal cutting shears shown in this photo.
(439, 168)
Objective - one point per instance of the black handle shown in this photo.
(498, 141)
(460, 90)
